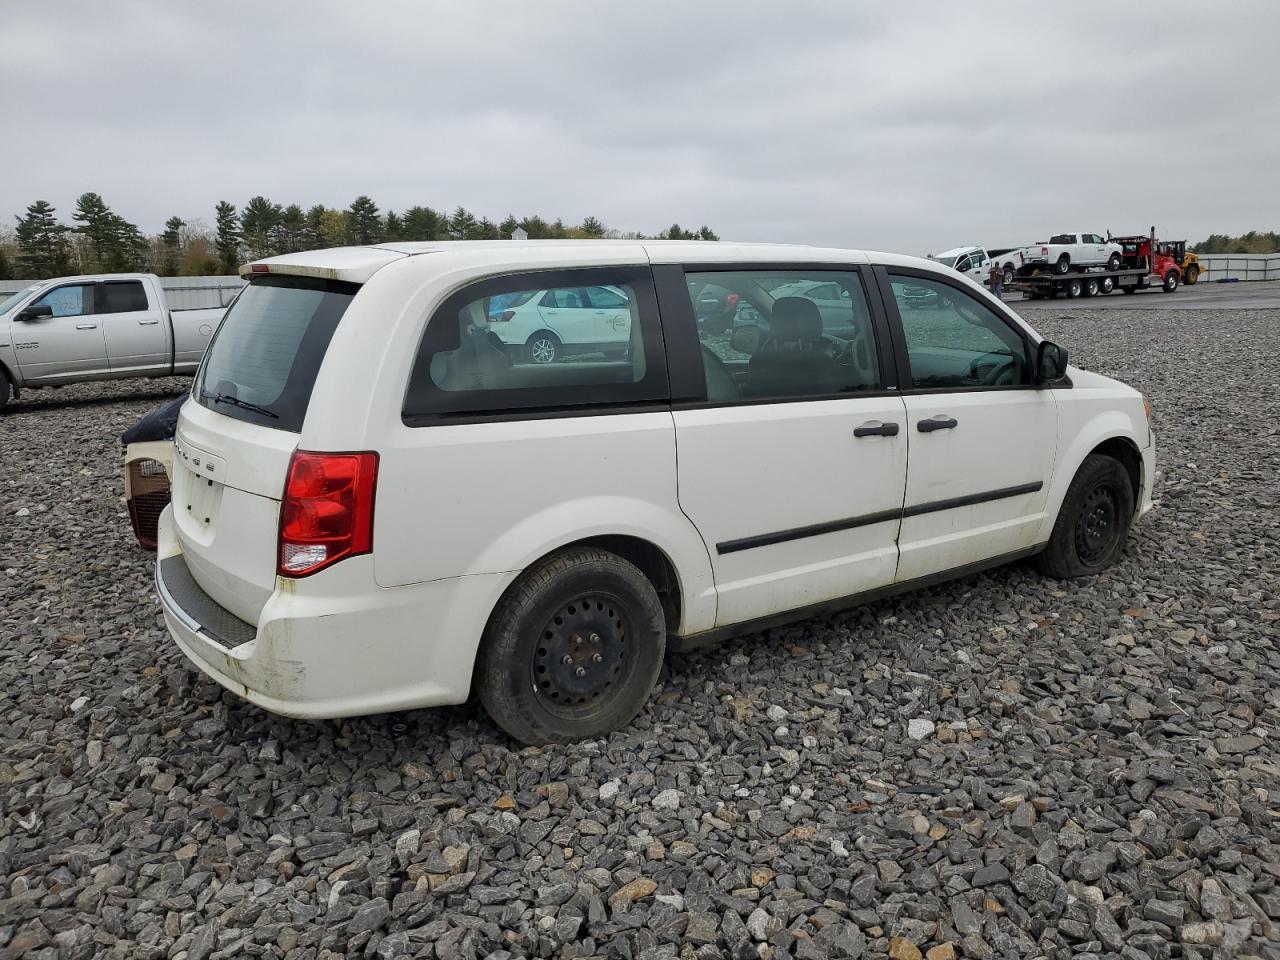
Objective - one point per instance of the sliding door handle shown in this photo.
(940, 422)
(873, 429)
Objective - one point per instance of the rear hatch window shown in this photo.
(262, 363)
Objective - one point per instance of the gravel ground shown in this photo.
(1001, 767)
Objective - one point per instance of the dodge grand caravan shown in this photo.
(379, 503)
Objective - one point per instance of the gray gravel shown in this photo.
(1001, 767)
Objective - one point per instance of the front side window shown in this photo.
(954, 340)
(126, 296)
(75, 300)
(780, 334)
(533, 341)
(263, 361)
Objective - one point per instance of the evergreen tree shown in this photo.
(394, 227)
(535, 227)
(260, 223)
(6, 267)
(313, 230)
(462, 225)
(423, 223)
(592, 227)
(293, 229)
(228, 237)
(706, 233)
(486, 229)
(171, 246)
(115, 244)
(508, 226)
(364, 226)
(42, 243)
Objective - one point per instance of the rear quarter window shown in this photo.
(262, 362)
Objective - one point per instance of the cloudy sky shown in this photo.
(900, 126)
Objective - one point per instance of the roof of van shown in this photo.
(358, 264)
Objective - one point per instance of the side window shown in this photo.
(540, 342)
(783, 334)
(954, 340)
(124, 296)
(75, 300)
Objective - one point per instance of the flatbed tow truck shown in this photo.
(1143, 265)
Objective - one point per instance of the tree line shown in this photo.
(1255, 241)
(101, 241)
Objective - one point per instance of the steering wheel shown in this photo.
(841, 351)
(993, 374)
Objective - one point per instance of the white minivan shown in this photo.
(379, 503)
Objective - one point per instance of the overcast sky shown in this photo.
(901, 126)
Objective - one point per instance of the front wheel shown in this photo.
(1170, 281)
(573, 648)
(1191, 276)
(1093, 522)
(1113, 263)
(5, 389)
(1063, 264)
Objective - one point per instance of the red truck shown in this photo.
(1143, 265)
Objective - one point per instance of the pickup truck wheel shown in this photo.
(1093, 522)
(1114, 262)
(1074, 289)
(5, 389)
(573, 649)
(1010, 274)
(1170, 281)
(1063, 264)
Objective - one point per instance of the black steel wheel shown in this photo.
(572, 649)
(1093, 521)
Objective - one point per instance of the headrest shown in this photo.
(795, 318)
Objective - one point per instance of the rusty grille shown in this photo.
(149, 495)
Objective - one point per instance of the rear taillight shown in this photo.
(327, 510)
(1044, 250)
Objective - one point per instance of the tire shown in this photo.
(591, 607)
(1170, 284)
(1074, 289)
(542, 347)
(1113, 262)
(1133, 288)
(1106, 285)
(1191, 275)
(1094, 520)
(5, 390)
(1090, 288)
(1063, 264)
(1010, 274)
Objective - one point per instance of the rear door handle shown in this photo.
(147, 323)
(940, 422)
(873, 429)
(86, 326)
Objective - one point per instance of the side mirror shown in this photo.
(746, 338)
(34, 312)
(1051, 362)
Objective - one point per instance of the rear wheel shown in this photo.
(1170, 281)
(573, 648)
(1090, 288)
(1063, 264)
(1113, 262)
(1191, 275)
(1132, 288)
(1106, 284)
(543, 347)
(1074, 289)
(1010, 274)
(1093, 522)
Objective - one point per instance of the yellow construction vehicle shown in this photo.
(1188, 261)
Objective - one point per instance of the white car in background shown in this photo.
(542, 326)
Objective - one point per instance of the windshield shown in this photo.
(263, 361)
(8, 302)
(946, 261)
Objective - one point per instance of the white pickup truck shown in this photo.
(975, 262)
(1065, 252)
(102, 327)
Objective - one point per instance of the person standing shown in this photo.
(997, 280)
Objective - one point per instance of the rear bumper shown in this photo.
(336, 644)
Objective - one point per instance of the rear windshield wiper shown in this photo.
(237, 402)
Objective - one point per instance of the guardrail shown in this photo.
(1239, 266)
